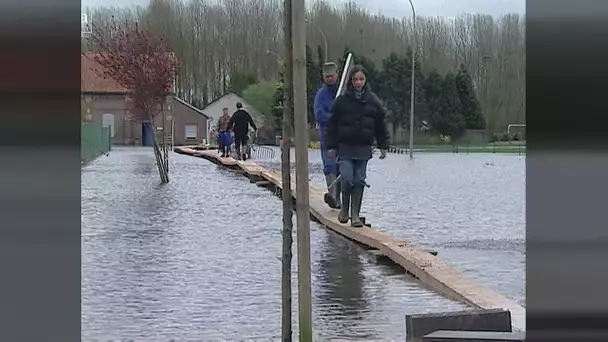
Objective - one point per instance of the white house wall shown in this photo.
(214, 110)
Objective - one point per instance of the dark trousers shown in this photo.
(240, 140)
(330, 165)
(353, 171)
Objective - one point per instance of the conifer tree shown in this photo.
(444, 105)
(392, 90)
(277, 110)
(470, 107)
(320, 60)
(454, 122)
(432, 90)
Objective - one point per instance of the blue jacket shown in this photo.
(324, 99)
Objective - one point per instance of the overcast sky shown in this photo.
(399, 8)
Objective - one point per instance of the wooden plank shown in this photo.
(427, 267)
(250, 168)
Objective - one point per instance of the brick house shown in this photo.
(103, 102)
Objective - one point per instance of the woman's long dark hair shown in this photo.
(355, 69)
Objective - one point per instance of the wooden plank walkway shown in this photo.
(428, 268)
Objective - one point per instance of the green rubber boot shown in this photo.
(355, 209)
(343, 215)
(338, 194)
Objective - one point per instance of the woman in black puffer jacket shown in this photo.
(357, 119)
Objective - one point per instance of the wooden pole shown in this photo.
(286, 328)
(165, 140)
(298, 11)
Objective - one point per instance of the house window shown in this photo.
(191, 132)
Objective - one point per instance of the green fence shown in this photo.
(94, 141)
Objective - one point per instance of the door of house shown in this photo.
(147, 131)
(107, 120)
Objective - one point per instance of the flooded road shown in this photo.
(468, 207)
(199, 258)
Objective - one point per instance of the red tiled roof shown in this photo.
(91, 81)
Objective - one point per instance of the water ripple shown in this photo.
(198, 258)
(471, 213)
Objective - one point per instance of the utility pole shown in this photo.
(298, 11)
(286, 329)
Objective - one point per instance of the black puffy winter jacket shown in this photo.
(357, 121)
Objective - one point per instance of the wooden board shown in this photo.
(429, 268)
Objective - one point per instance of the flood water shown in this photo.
(199, 258)
(470, 208)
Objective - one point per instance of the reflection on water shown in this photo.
(469, 208)
(199, 259)
(340, 278)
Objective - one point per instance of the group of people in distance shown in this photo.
(238, 125)
(348, 126)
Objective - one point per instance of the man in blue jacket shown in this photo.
(323, 101)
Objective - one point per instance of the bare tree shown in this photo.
(142, 64)
(214, 38)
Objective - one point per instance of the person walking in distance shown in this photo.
(357, 119)
(224, 133)
(324, 99)
(239, 123)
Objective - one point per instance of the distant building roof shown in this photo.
(191, 107)
(221, 97)
(90, 79)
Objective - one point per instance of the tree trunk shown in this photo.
(161, 162)
(165, 141)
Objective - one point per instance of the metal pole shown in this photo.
(322, 35)
(298, 10)
(485, 58)
(286, 329)
(412, 86)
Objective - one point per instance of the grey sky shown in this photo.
(398, 8)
